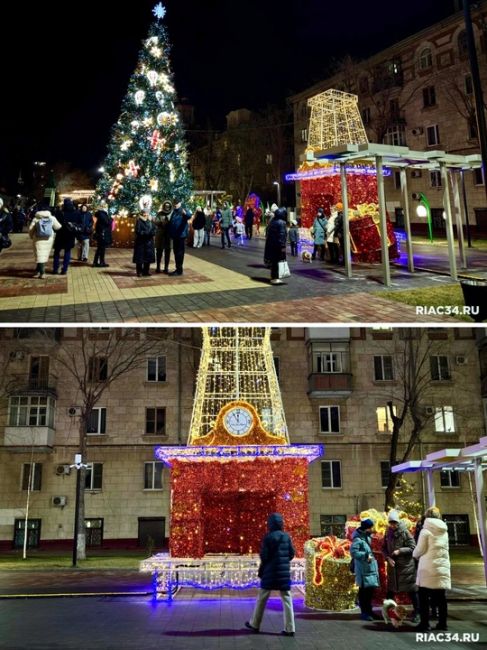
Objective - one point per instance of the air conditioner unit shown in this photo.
(74, 411)
(417, 131)
(17, 355)
(460, 360)
(429, 410)
(59, 502)
(416, 173)
(63, 469)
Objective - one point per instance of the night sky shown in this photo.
(66, 66)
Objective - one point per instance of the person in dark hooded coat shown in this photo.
(71, 221)
(144, 251)
(276, 554)
(275, 243)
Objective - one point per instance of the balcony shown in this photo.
(33, 385)
(330, 384)
(23, 437)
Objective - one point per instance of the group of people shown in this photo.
(418, 566)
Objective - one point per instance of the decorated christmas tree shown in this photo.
(147, 159)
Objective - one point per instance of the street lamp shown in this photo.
(78, 465)
(424, 210)
(278, 185)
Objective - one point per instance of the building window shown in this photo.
(331, 474)
(435, 179)
(444, 420)
(425, 59)
(429, 96)
(304, 135)
(268, 159)
(153, 475)
(383, 370)
(397, 180)
(39, 372)
(385, 473)
(155, 421)
(94, 476)
(462, 44)
(472, 127)
(98, 368)
(478, 176)
(333, 525)
(440, 370)
(395, 135)
(329, 419)
(98, 421)
(35, 475)
(366, 116)
(384, 420)
(449, 478)
(331, 358)
(156, 369)
(468, 85)
(432, 135)
(31, 411)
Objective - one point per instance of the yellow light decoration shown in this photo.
(126, 144)
(154, 184)
(156, 52)
(335, 120)
(147, 121)
(166, 82)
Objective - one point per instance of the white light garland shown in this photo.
(139, 97)
(152, 76)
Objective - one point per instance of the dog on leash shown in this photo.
(306, 257)
(393, 613)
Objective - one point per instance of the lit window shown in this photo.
(444, 420)
(384, 420)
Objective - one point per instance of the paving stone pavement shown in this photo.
(230, 285)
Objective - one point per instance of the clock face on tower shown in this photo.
(238, 421)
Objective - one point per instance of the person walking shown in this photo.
(18, 218)
(433, 577)
(276, 554)
(365, 567)
(71, 226)
(225, 224)
(275, 243)
(42, 231)
(318, 232)
(103, 235)
(162, 240)
(198, 223)
(293, 237)
(144, 252)
(178, 231)
(249, 222)
(85, 234)
(208, 226)
(397, 550)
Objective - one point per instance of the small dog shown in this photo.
(306, 257)
(393, 613)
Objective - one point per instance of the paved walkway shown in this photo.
(221, 286)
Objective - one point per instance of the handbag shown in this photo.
(283, 270)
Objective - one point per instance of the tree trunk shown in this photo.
(390, 501)
(81, 541)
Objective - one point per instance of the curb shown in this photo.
(76, 595)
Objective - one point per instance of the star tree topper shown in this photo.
(159, 11)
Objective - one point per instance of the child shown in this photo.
(293, 238)
(239, 231)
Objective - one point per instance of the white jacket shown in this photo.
(433, 555)
(43, 245)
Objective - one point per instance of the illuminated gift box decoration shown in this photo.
(329, 583)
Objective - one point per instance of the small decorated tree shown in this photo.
(146, 162)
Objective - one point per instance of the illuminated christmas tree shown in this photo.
(147, 159)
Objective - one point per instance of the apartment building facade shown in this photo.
(416, 93)
(335, 385)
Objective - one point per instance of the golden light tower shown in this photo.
(335, 119)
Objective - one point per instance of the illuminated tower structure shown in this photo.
(238, 466)
(335, 120)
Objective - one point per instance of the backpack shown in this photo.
(44, 227)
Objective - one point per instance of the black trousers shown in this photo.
(248, 230)
(365, 595)
(100, 254)
(143, 269)
(167, 257)
(178, 249)
(438, 599)
(226, 233)
(319, 248)
(334, 252)
(294, 248)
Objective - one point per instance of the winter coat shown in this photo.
(402, 576)
(276, 554)
(275, 243)
(103, 228)
(162, 239)
(249, 217)
(144, 242)
(366, 573)
(178, 223)
(87, 225)
(293, 234)
(70, 219)
(43, 245)
(330, 229)
(339, 225)
(208, 222)
(6, 223)
(227, 218)
(199, 220)
(319, 230)
(433, 555)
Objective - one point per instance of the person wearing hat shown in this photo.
(397, 550)
(365, 567)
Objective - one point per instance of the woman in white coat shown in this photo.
(42, 230)
(433, 577)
